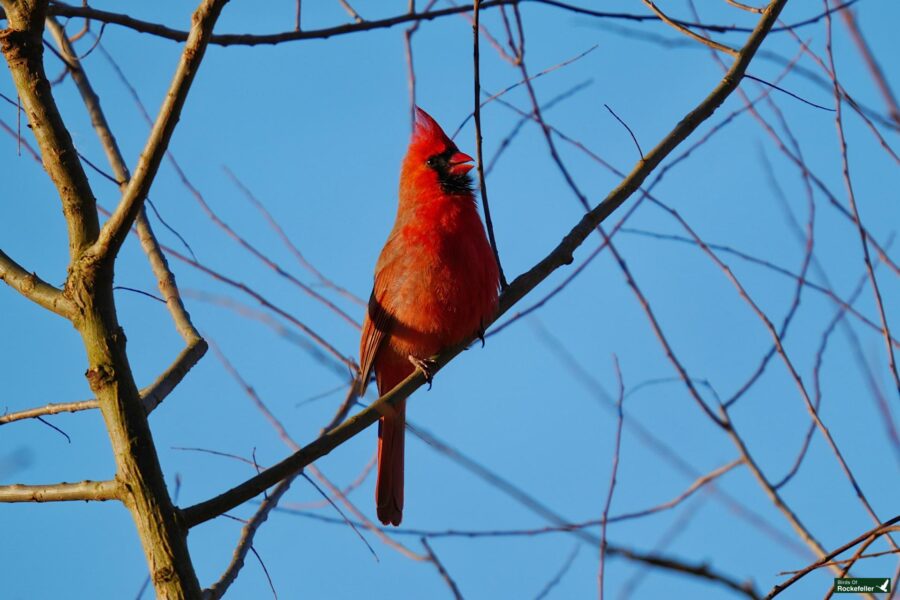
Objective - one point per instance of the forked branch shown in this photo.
(114, 231)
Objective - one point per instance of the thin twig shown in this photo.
(827, 558)
(620, 417)
(554, 581)
(162, 31)
(478, 141)
(350, 11)
(627, 128)
(743, 6)
(218, 589)
(789, 93)
(691, 34)
(344, 491)
(265, 571)
(492, 97)
(645, 559)
(844, 561)
(151, 396)
(875, 69)
(628, 589)
(48, 409)
(795, 376)
(501, 51)
(817, 367)
(289, 441)
(252, 249)
(827, 292)
(506, 142)
(443, 572)
(410, 66)
(313, 335)
(279, 231)
(666, 453)
(851, 196)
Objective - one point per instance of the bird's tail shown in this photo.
(389, 488)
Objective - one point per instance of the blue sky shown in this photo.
(317, 129)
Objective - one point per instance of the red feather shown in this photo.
(436, 284)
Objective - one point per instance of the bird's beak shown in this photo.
(460, 163)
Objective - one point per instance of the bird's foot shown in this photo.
(481, 333)
(426, 365)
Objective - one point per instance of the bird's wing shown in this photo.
(376, 326)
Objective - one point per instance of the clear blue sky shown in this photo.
(317, 129)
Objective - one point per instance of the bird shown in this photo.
(436, 285)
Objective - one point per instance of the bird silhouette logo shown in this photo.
(884, 586)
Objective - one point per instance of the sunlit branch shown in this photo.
(688, 32)
(116, 228)
(49, 409)
(33, 287)
(151, 396)
(61, 492)
(883, 528)
(22, 47)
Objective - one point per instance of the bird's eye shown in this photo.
(431, 161)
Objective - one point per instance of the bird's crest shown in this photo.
(427, 129)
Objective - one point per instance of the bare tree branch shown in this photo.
(109, 373)
(116, 228)
(49, 409)
(826, 560)
(703, 571)
(61, 492)
(746, 7)
(23, 48)
(844, 561)
(218, 589)
(851, 196)
(33, 287)
(351, 11)
(442, 571)
(849, 18)
(691, 34)
(65, 10)
(478, 142)
(620, 418)
(276, 227)
(151, 396)
(652, 559)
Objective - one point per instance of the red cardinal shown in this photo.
(435, 285)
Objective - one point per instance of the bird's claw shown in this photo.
(481, 334)
(426, 365)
